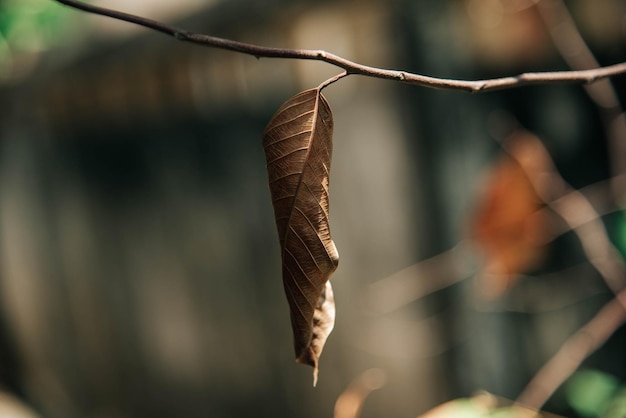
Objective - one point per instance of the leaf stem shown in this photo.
(332, 80)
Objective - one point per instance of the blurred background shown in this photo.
(139, 263)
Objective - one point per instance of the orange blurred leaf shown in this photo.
(510, 225)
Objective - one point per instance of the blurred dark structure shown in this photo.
(139, 267)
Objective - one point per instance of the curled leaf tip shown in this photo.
(323, 323)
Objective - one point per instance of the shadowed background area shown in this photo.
(139, 261)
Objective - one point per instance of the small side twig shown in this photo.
(479, 86)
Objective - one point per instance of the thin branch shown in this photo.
(479, 86)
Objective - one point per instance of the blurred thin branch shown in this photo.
(350, 403)
(583, 219)
(12, 407)
(579, 214)
(598, 195)
(455, 265)
(572, 353)
(525, 79)
(574, 50)
(403, 287)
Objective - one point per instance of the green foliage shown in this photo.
(595, 394)
(617, 406)
(30, 24)
(482, 405)
(29, 27)
(620, 233)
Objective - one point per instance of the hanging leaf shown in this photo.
(298, 147)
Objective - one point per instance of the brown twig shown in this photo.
(478, 86)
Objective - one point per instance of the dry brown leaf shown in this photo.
(510, 225)
(298, 147)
